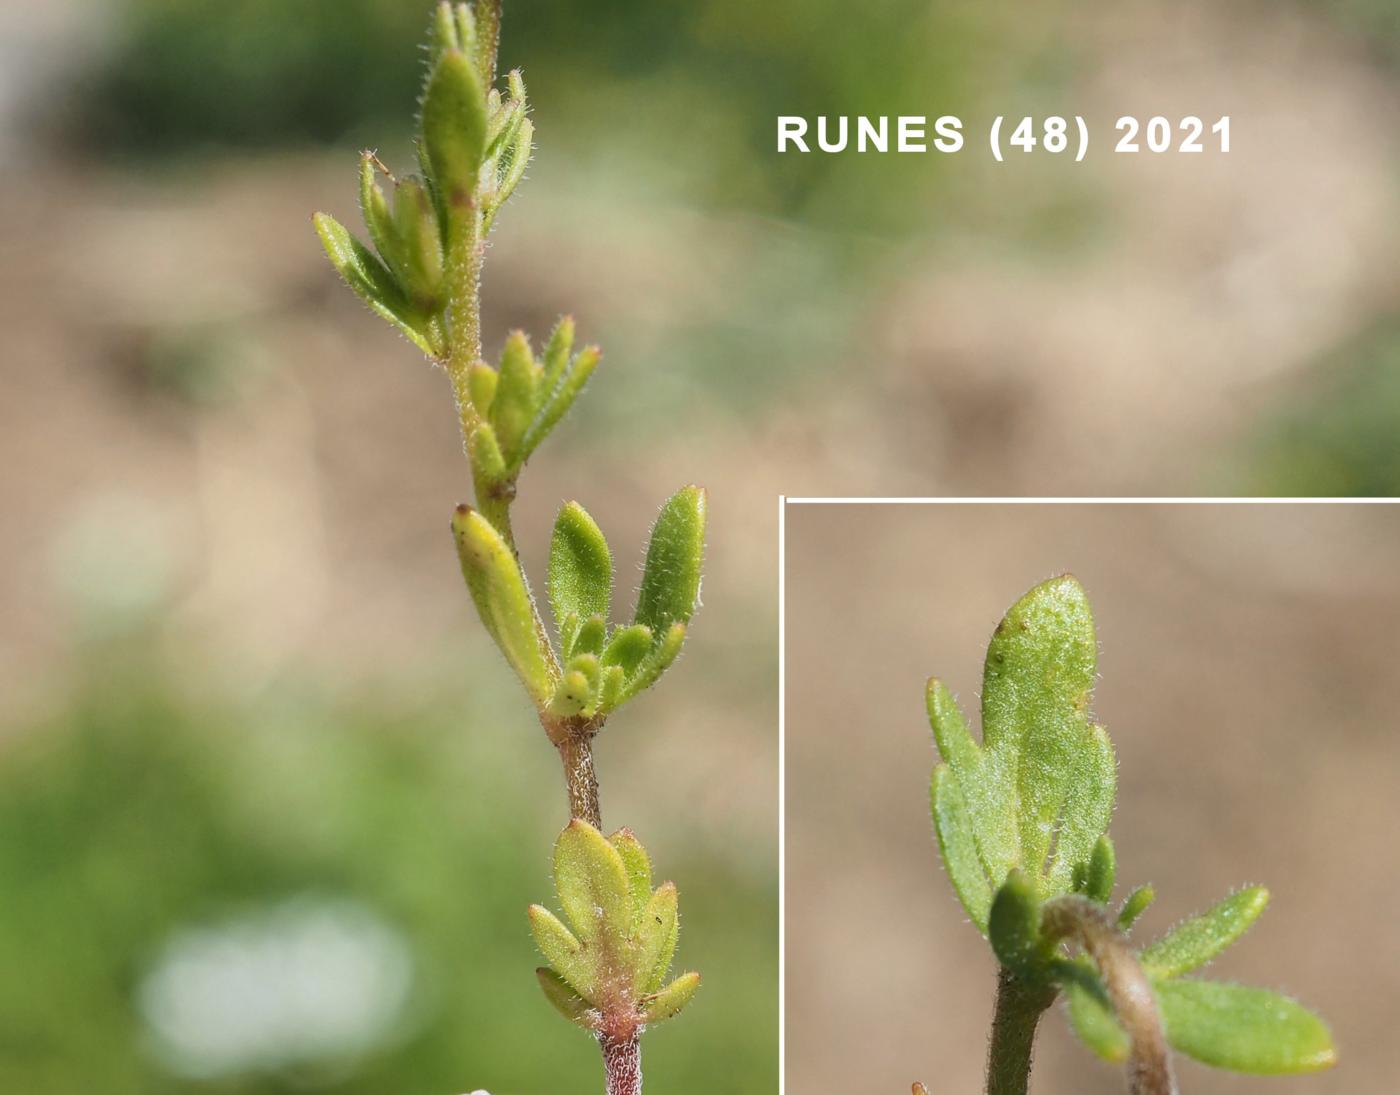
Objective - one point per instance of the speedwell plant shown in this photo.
(609, 957)
(1022, 821)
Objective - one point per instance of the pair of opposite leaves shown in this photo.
(1022, 818)
(596, 669)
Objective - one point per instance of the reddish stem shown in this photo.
(622, 1060)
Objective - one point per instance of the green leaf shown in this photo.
(374, 284)
(560, 398)
(638, 865)
(656, 662)
(466, 34)
(564, 953)
(420, 264)
(482, 381)
(1013, 927)
(671, 581)
(513, 162)
(657, 933)
(487, 462)
(454, 127)
(1243, 1029)
(1038, 792)
(374, 208)
(572, 696)
(1097, 878)
(1194, 942)
(627, 647)
(443, 36)
(555, 358)
(958, 846)
(668, 1002)
(505, 127)
(590, 636)
(1134, 905)
(502, 599)
(610, 690)
(516, 394)
(488, 38)
(580, 572)
(567, 1002)
(591, 880)
(1091, 1018)
(1036, 687)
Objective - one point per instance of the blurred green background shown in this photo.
(252, 741)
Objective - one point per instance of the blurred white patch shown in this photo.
(303, 981)
(114, 561)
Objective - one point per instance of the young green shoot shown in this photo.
(1022, 822)
(607, 968)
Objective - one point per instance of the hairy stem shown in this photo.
(1019, 1007)
(576, 751)
(466, 254)
(1094, 928)
(622, 1061)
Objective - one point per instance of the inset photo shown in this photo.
(1090, 797)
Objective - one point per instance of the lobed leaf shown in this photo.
(1243, 1029)
(502, 598)
(1194, 942)
(1037, 794)
(1036, 687)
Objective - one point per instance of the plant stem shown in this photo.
(575, 745)
(622, 1061)
(1093, 928)
(465, 258)
(1019, 1007)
